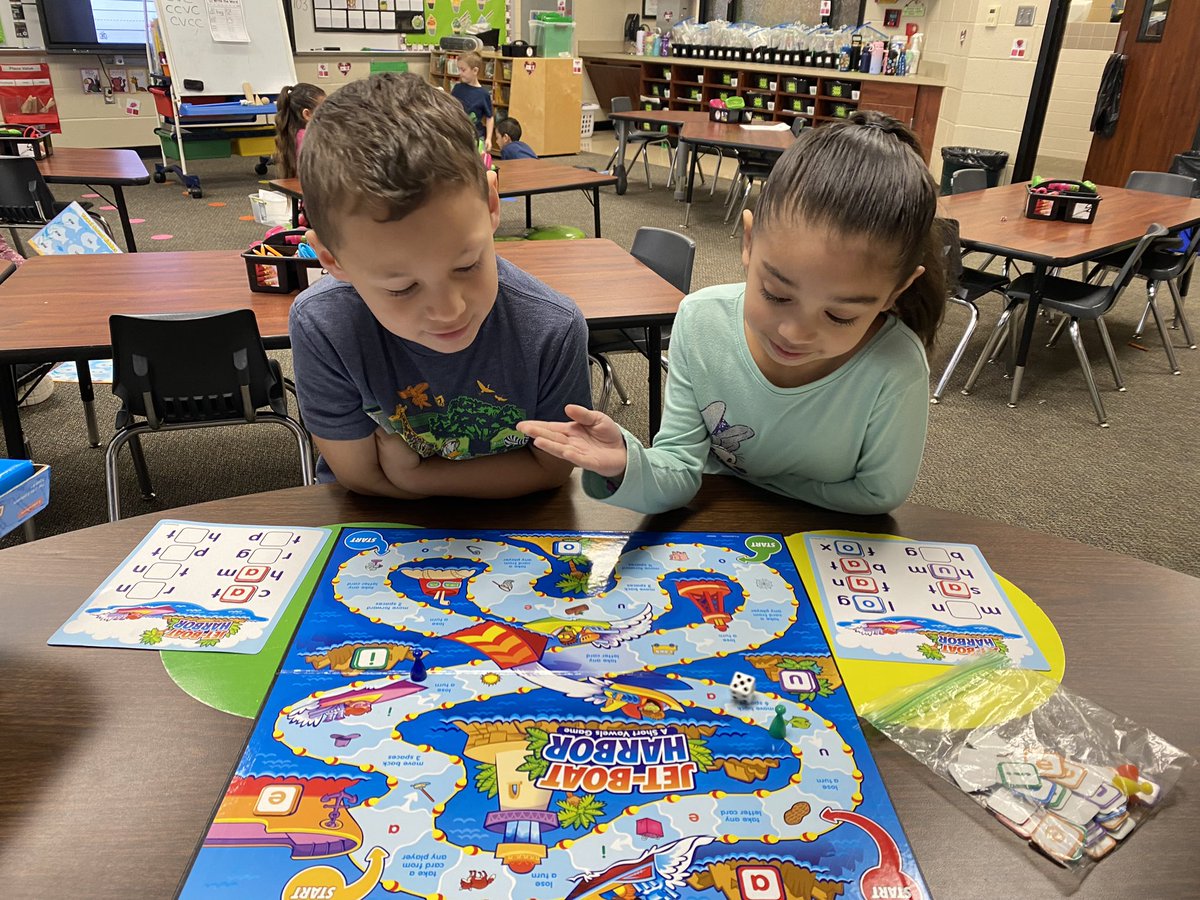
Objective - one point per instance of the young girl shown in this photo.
(810, 378)
(294, 107)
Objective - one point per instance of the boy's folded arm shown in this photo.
(494, 477)
(357, 467)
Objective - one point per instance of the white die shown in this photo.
(742, 688)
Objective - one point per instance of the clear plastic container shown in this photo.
(552, 37)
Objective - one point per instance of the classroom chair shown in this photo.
(1170, 260)
(967, 181)
(671, 256)
(193, 370)
(1075, 300)
(752, 167)
(640, 140)
(966, 286)
(25, 199)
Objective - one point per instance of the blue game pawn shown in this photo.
(418, 666)
(778, 728)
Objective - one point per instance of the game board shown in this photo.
(916, 601)
(196, 586)
(568, 731)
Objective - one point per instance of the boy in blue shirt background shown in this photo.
(475, 99)
(415, 361)
(508, 136)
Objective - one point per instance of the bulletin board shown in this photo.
(413, 24)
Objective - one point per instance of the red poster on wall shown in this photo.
(27, 97)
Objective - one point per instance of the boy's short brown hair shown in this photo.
(470, 60)
(384, 146)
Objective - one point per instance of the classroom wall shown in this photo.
(987, 90)
(1066, 137)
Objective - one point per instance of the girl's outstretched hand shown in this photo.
(591, 440)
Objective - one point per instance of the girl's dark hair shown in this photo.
(293, 100)
(866, 176)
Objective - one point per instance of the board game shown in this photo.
(196, 586)
(548, 715)
(915, 601)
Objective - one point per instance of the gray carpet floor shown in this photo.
(1045, 465)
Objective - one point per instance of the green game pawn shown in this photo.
(778, 728)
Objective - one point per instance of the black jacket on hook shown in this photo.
(1108, 98)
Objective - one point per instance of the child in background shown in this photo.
(294, 109)
(476, 100)
(810, 378)
(508, 133)
(415, 361)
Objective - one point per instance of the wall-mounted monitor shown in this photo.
(94, 26)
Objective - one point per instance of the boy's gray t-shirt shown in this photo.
(528, 361)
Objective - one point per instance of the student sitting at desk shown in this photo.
(509, 139)
(415, 361)
(810, 378)
(475, 99)
(294, 109)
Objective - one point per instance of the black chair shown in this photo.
(1166, 261)
(966, 285)
(193, 370)
(639, 140)
(671, 256)
(967, 181)
(1075, 300)
(753, 167)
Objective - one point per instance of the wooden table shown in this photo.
(109, 772)
(38, 326)
(723, 136)
(993, 221)
(518, 178)
(111, 168)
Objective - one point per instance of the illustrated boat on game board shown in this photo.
(310, 823)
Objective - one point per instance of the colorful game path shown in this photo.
(486, 715)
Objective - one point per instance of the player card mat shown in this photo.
(548, 715)
(197, 586)
(915, 601)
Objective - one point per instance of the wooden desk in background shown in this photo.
(518, 178)
(993, 221)
(109, 771)
(111, 168)
(36, 299)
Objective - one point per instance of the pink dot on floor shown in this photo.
(161, 237)
(216, 204)
(89, 196)
(106, 208)
(136, 221)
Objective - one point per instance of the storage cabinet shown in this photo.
(782, 93)
(544, 95)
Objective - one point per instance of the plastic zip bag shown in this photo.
(1067, 775)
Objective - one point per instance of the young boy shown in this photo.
(476, 100)
(416, 359)
(508, 136)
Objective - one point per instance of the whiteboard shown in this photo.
(265, 61)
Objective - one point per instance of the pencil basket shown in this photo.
(1078, 205)
(731, 116)
(284, 274)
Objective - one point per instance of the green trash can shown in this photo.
(552, 33)
(955, 158)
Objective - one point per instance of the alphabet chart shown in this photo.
(915, 601)
(197, 586)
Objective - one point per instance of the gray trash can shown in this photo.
(955, 158)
